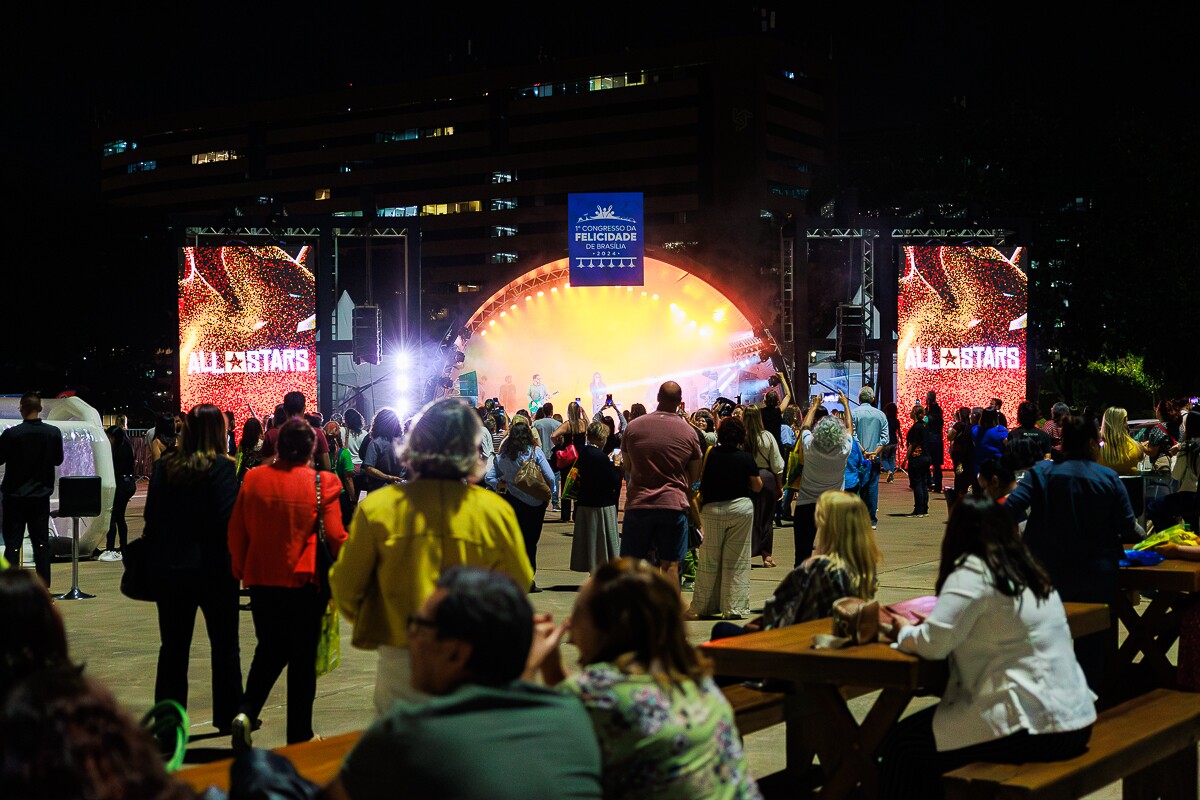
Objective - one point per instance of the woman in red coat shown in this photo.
(273, 546)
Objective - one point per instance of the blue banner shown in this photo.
(607, 233)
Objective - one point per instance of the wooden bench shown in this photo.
(1148, 742)
(317, 761)
(754, 710)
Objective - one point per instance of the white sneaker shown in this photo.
(110, 555)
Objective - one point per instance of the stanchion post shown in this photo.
(75, 593)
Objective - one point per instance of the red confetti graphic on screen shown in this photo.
(962, 329)
(247, 328)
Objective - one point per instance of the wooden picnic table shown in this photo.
(1152, 632)
(318, 761)
(819, 682)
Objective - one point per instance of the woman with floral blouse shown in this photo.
(664, 727)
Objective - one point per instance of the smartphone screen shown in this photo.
(608, 399)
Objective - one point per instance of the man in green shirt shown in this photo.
(486, 734)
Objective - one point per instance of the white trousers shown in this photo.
(723, 561)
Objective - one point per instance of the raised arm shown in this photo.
(849, 417)
(787, 391)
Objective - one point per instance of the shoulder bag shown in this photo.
(141, 579)
(530, 480)
(856, 619)
(566, 456)
(324, 555)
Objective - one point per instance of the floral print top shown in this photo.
(663, 740)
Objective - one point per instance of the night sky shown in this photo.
(67, 75)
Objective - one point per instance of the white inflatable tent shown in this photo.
(85, 452)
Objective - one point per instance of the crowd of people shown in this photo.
(423, 534)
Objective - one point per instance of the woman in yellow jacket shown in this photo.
(405, 535)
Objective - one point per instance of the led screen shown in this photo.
(962, 329)
(247, 327)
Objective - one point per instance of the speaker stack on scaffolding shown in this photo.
(851, 332)
(368, 336)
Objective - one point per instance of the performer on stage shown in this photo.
(599, 391)
(508, 395)
(538, 393)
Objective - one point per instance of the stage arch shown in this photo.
(675, 327)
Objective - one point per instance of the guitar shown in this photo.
(534, 405)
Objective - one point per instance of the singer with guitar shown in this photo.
(538, 394)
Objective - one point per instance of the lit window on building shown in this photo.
(794, 192)
(437, 209)
(503, 203)
(347, 213)
(503, 230)
(447, 130)
(467, 288)
(344, 168)
(322, 194)
(503, 258)
(601, 82)
(263, 200)
(398, 211)
(119, 146)
(397, 136)
(502, 177)
(142, 166)
(214, 156)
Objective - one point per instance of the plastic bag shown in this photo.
(570, 487)
(329, 646)
(1176, 534)
(1141, 558)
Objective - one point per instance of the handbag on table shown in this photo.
(856, 619)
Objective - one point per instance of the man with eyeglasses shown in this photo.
(486, 733)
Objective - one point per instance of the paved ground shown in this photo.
(118, 638)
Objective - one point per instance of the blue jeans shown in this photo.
(655, 529)
(869, 492)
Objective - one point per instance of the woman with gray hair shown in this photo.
(827, 444)
(405, 535)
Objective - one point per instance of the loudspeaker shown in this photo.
(79, 496)
(851, 336)
(368, 338)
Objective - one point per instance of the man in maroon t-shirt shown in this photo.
(661, 457)
(293, 404)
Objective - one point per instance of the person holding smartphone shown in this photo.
(827, 442)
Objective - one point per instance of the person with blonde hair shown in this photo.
(1119, 451)
(761, 445)
(665, 728)
(573, 432)
(845, 563)
(404, 536)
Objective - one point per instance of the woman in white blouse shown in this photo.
(1016, 692)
